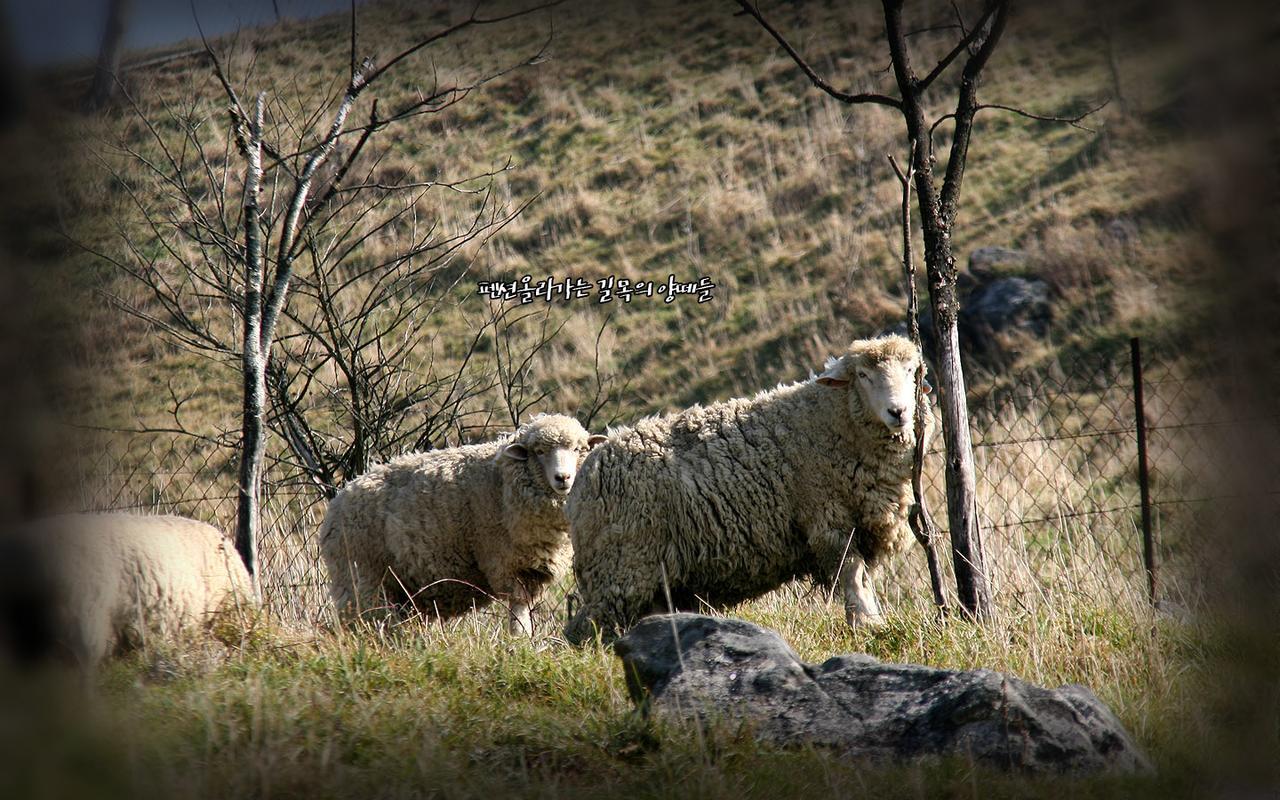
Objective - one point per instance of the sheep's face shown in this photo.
(879, 375)
(552, 447)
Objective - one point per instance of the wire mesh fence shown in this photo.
(179, 474)
(1056, 452)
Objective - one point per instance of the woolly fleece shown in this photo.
(735, 498)
(451, 529)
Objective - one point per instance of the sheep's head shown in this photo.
(879, 375)
(553, 446)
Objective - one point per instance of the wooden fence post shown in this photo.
(1144, 481)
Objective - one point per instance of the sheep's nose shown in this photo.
(897, 413)
(563, 479)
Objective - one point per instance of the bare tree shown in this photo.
(607, 388)
(383, 342)
(286, 284)
(938, 203)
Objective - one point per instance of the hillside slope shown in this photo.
(671, 138)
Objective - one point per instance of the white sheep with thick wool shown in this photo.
(115, 582)
(445, 531)
(721, 503)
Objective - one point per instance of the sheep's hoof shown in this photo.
(865, 621)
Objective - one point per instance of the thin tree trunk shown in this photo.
(253, 445)
(253, 359)
(962, 509)
(103, 87)
(967, 552)
(921, 521)
(968, 556)
(937, 217)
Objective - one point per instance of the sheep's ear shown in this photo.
(836, 374)
(596, 439)
(926, 387)
(514, 451)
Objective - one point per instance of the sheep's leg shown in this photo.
(524, 588)
(868, 593)
(520, 617)
(860, 605)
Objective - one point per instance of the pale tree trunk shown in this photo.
(239, 237)
(108, 67)
(968, 556)
(262, 308)
(253, 358)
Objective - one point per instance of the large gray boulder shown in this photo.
(739, 673)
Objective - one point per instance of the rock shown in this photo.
(1006, 304)
(739, 673)
(991, 304)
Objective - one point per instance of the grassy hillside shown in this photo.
(674, 139)
(649, 139)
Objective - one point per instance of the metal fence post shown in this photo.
(1144, 483)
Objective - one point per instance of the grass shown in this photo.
(296, 708)
(460, 710)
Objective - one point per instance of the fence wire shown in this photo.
(1056, 456)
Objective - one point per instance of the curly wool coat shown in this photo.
(113, 582)
(448, 530)
(733, 499)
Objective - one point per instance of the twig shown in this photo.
(960, 47)
(814, 77)
(1072, 121)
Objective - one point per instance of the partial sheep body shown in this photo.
(444, 531)
(722, 503)
(115, 581)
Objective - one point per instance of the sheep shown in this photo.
(721, 503)
(448, 530)
(89, 586)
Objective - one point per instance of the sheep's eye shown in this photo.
(862, 375)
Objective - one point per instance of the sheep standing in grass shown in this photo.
(110, 582)
(448, 530)
(725, 502)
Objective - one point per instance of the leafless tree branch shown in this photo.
(959, 48)
(938, 203)
(845, 97)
